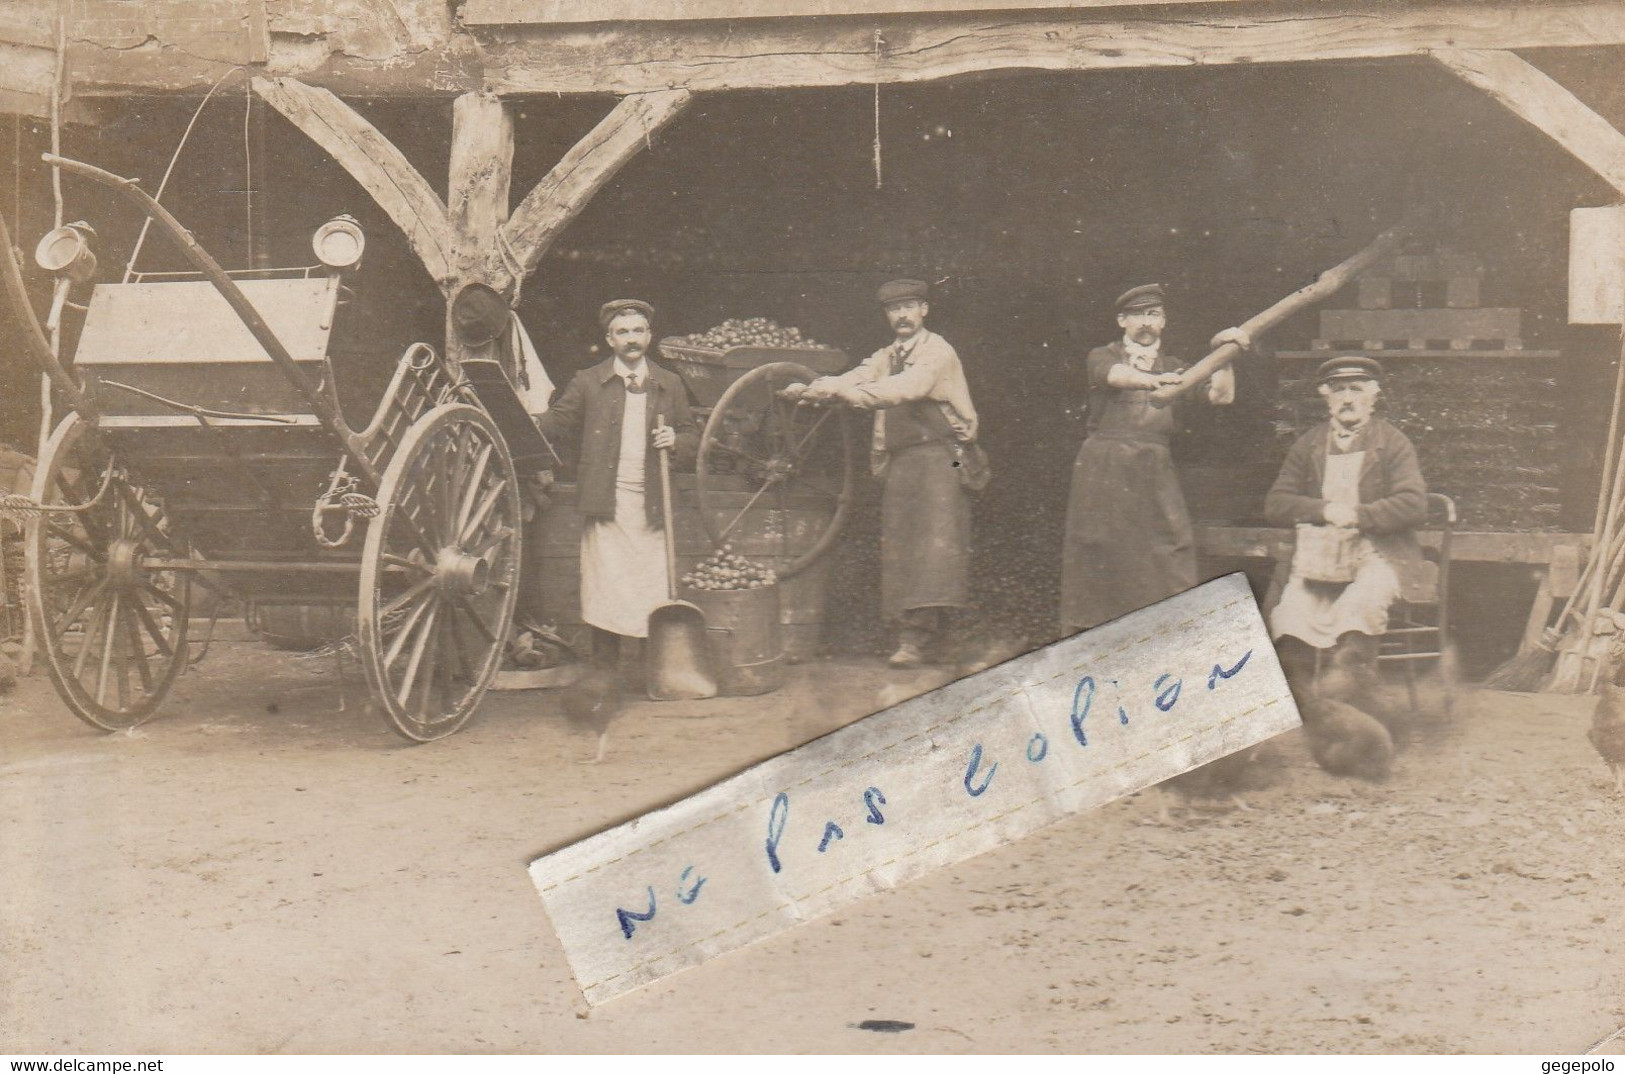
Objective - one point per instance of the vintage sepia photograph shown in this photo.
(812, 526)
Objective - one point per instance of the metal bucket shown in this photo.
(743, 625)
(551, 586)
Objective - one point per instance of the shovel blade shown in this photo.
(678, 665)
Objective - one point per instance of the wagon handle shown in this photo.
(319, 396)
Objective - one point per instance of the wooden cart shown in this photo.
(205, 446)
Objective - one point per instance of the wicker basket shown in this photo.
(708, 372)
(1326, 553)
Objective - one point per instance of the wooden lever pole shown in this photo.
(1326, 284)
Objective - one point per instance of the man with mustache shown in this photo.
(1128, 535)
(616, 415)
(924, 441)
(1358, 472)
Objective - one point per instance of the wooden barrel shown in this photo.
(743, 625)
(551, 588)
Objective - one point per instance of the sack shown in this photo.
(974, 470)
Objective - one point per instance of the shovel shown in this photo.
(677, 659)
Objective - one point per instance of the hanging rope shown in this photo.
(158, 195)
(22, 506)
(56, 101)
(880, 44)
(248, 171)
(341, 495)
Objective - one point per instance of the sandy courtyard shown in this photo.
(258, 871)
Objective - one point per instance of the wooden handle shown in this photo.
(665, 507)
(1326, 284)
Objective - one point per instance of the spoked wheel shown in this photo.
(113, 632)
(781, 449)
(440, 571)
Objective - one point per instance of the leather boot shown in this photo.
(1354, 662)
(920, 626)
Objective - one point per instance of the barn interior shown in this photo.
(1030, 201)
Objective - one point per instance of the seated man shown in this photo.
(1355, 471)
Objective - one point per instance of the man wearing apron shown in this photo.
(1128, 536)
(617, 414)
(923, 412)
(1359, 472)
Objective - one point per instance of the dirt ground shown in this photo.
(258, 871)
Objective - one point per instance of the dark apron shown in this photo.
(924, 521)
(1128, 536)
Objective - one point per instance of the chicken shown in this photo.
(591, 703)
(1345, 741)
(1607, 732)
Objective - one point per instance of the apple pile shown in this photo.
(726, 571)
(750, 332)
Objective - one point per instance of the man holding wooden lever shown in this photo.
(1353, 487)
(1128, 540)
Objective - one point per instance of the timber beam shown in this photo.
(472, 237)
(701, 57)
(583, 171)
(1535, 97)
(373, 161)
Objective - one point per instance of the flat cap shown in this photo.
(901, 291)
(1349, 367)
(1142, 297)
(609, 310)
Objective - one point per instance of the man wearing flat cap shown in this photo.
(1356, 472)
(925, 451)
(613, 417)
(1128, 540)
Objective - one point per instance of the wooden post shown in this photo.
(477, 201)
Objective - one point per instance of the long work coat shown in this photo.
(1128, 535)
(584, 425)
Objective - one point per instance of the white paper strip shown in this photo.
(930, 782)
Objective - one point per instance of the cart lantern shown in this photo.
(66, 251)
(339, 243)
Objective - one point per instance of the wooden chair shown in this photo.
(1419, 623)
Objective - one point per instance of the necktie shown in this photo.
(634, 384)
(898, 354)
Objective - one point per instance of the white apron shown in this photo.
(623, 560)
(1321, 612)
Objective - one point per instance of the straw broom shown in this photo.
(1532, 665)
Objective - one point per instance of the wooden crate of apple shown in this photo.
(725, 571)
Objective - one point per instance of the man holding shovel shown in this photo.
(615, 416)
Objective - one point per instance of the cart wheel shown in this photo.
(780, 448)
(113, 632)
(440, 571)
